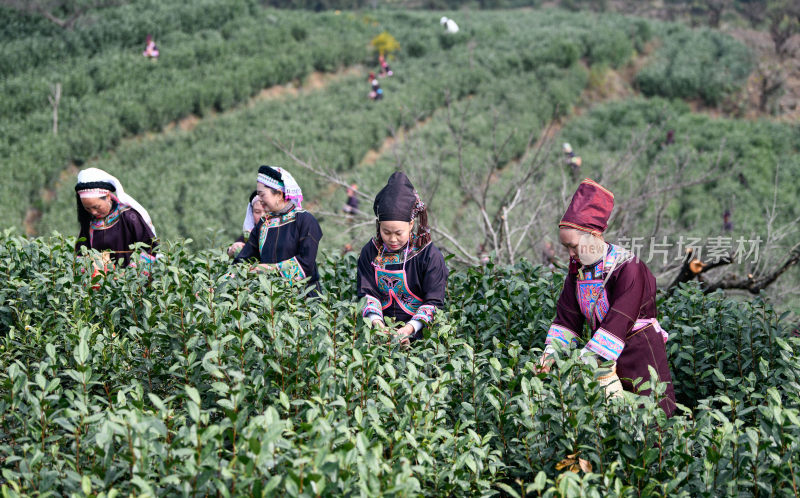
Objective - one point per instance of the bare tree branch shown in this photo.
(753, 284)
(331, 177)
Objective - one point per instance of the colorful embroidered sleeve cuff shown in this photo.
(425, 313)
(373, 307)
(605, 344)
(561, 334)
(291, 269)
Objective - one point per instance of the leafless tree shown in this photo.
(768, 260)
(784, 22)
(513, 204)
(55, 99)
(753, 11)
(771, 78)
(715, 10)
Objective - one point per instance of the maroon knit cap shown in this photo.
(589, 209)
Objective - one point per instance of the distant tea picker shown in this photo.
(450, 25)
(612, 291)
(150, 49)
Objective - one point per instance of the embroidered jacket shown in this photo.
(289, 241)
(626, 304)
(120, 229)
(406, 286)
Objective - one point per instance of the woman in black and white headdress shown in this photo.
(111, 220)
(400, 272)
(286, 239)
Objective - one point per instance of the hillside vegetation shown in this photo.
(204, 379)
(527, 66)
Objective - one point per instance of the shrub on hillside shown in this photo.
(695, 64)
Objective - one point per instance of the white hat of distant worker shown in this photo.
(449, 24)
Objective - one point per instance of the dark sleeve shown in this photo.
(568, 323)
(139, 231)
(239, 239)
(250, 249)
(308, 243)
(434, 285)
(625, 296)
(365, 281)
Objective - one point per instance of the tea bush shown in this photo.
(750, 155)
(692, 64)
(208, 380)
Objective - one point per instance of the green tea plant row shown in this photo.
(692, 64)
(30, 41)
(207, 380)
(112, 96)
(334, 128)
(283, 48)
(204, 68)
(750, 154)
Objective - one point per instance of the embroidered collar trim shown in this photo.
(395, 258)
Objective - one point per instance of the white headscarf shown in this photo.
(249, 217)
(90, 175)
(289, 186)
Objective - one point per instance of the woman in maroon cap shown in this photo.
(400, 272)
(613, 292)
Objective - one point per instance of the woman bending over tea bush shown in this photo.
(615, 293)
(111, 220)
(286, 239)
(400, 272)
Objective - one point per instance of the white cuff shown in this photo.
(373, 316)
(416, 324)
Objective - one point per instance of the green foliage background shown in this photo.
(523, 67)
(207, 380)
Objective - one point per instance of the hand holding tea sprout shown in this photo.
(263, 267)
(605, 373)
(546, 362)
(404, 333)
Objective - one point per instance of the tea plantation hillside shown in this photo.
(207, 380)
(507, 74)
(526, 66)
(201, 378)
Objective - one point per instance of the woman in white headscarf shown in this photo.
(255, 211)
(286, 239)
(111, 221)
(450, 25)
